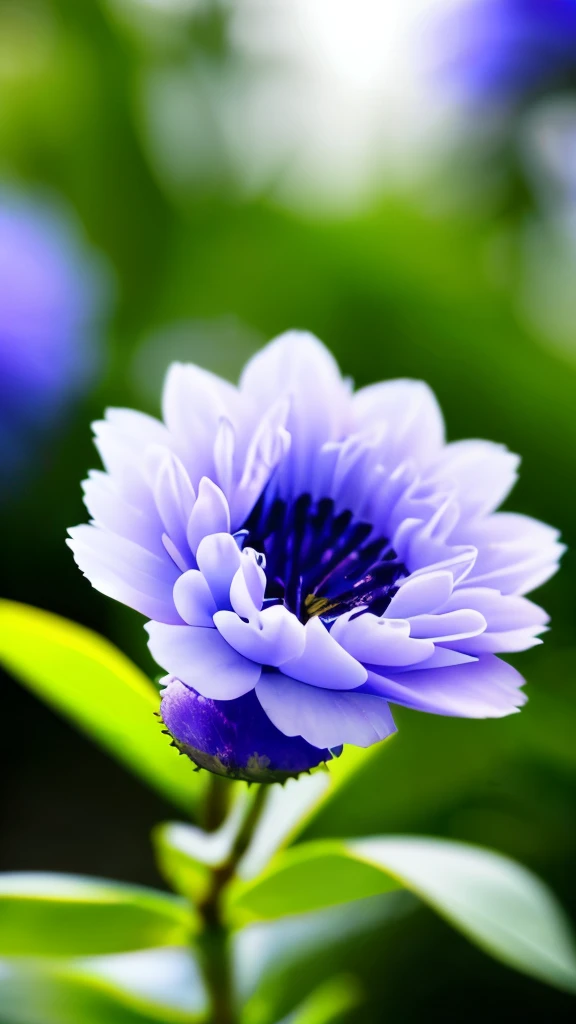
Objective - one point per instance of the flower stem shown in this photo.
(214, 940)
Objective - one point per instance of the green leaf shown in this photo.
(186, 854)
(278, 963)
(307, 877)
(498, 904)
(65, 915)
(131, 988)
(90, 681)
(330, 1002)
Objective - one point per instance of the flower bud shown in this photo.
(235, 738)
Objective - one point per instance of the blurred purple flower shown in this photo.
(51, 291)
(307, 556)
(501, 51)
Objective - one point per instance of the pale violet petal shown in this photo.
(219, 559)
(194, 402)
(324, 662)
(110, 509)
(443, 657)
(515, 553)
(421, 593)
(193, 599)
(413, 414)
(175, 499)
(249, 584)
(267, 447)
(380, 641)
(503, 642)
(325, 718)
(125, 571)
(487, 688)
(269, 638)
(298, 367)
(484, 473)
(448, 626)
(209, 515)
(201, 658)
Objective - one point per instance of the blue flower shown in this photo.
(50, 294)
(308, 555)
(507, 50)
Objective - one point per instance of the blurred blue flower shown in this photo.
(51, 295)
(308, 555)
(502, 51)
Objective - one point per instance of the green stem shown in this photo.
(214, 940)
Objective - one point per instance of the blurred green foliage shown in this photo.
(403, 288)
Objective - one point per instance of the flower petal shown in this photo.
(420, 593)
(175, 499)
(249, 585)
(268, 445)
(193, 403)
(513, 622)
(516, 554)
(210, 514)
(110, 509)
(324, 662)
(125, 571)
(325, 718)
(483, 473)
(380, 641)
(410, 408)
(270, 637)
(487, 688)
(298, 366)
(193, 599)
(219, 559)
(202, 659)
(454, 625)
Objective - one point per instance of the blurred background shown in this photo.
(186, 179)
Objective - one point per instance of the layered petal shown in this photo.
(375, 640)
(219, 559)
(487, 688)
(194, 402)
(410, 411)
(422, 593)
(512, 622)
(201, 658)
(296, 367)
(127, 572)
(482, 473)
(270, 637)
(324, 718)
(323, 662)
(194, 600)
(516, 554)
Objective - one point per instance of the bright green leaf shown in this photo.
(90, 681)
(497, 903)
(130, 988)
(64, 915)
(307, 877)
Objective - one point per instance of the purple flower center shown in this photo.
(319, 562)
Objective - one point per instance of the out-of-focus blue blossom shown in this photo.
(503, 51)
(52, 292)
(308, 555)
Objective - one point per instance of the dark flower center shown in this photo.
(320, 563)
